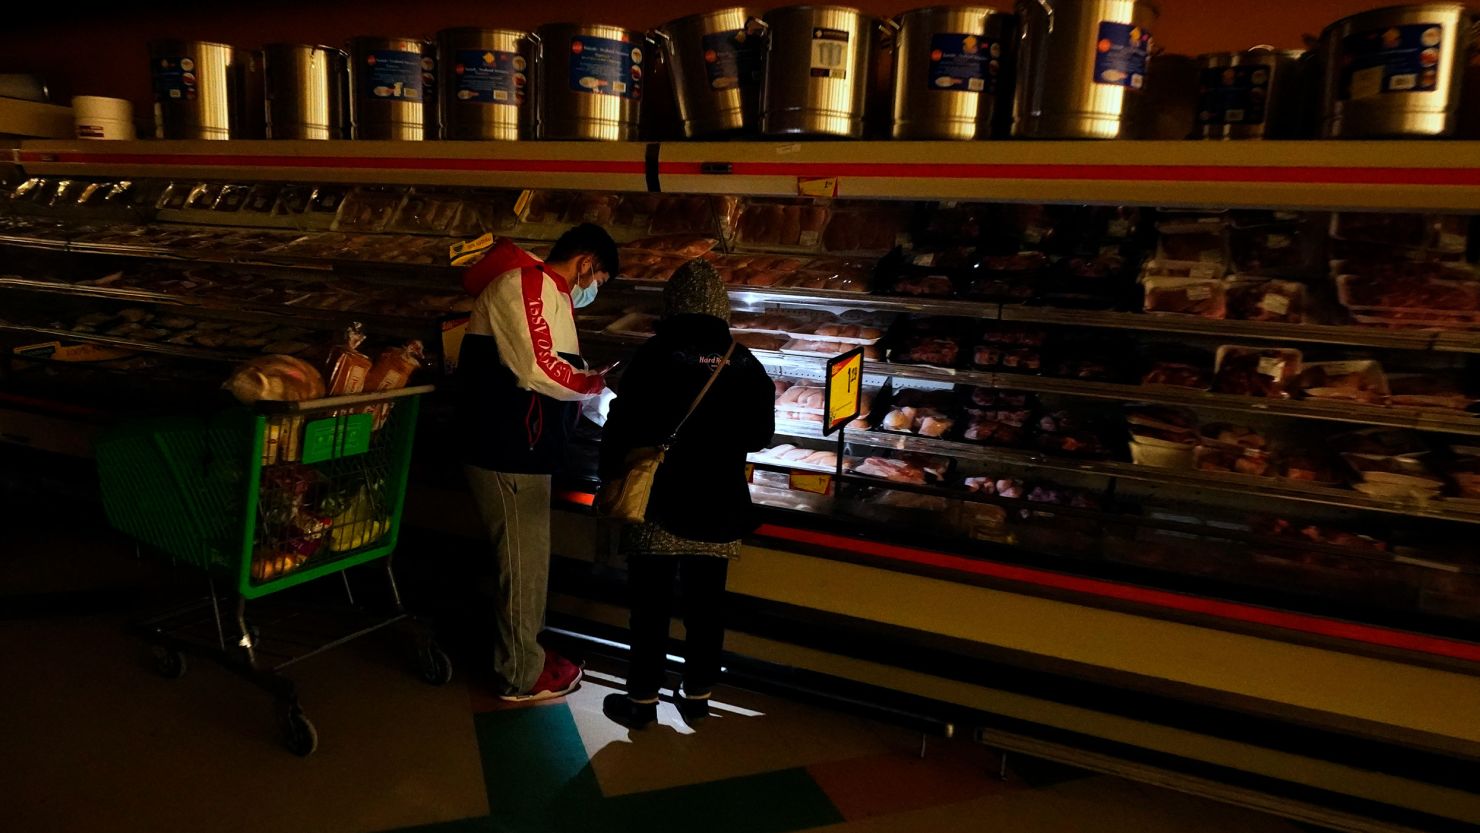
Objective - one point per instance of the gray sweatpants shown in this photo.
(515, 510)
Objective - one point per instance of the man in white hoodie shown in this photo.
(521, 382)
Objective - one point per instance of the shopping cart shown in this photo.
(263, 499)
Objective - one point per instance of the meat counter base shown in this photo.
(1415, 710)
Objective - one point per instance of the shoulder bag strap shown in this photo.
(700, 398)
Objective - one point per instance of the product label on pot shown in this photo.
(392, 74)
(174, 78)
(1121, 53)
(733, 59)
(829, 53)
(967, 63)
(489, 76)
(606, 67)
(1233, 95)
(1394, 59)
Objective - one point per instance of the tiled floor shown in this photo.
(91, 740)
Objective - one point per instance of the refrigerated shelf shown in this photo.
(1243, 485)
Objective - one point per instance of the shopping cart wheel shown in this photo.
(169, 662)
(298, 732)
(436, 666)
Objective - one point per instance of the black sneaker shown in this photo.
(692, 709)
(628, 712)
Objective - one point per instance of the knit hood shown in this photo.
(696, 289)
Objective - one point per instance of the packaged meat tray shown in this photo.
(998, 417)
(798, 225)
(756, 270)
(1426, 390)
(759, 341)
(1430, 298)
(923, 285)
(1348, 381)
(1202, 297)
(649, 266)
(1438, 232)
(1269, 249)
(1182, 269)
(431, 213)
(1193, 242)
(1251, 371)
(828, 349)
(368, 209)
(873, 230)
(1265, 299)
(772, 322)
(1248, 461)
(685, 246)
(634, 324)
(1010, 348)
(804, 458)
(1073, 433)
(864, 334)
(932, 341)
(913, 469)
(928, 413)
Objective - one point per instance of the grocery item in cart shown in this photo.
(1253, 371)
(1359, 380)
(275, 378)
(1265, 299)
(347, 367)
(392, 371)
(1203, 297)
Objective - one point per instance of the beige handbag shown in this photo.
(625, 499)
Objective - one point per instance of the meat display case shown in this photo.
(1235, 538)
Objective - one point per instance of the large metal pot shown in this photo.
(393, 83)
(1166, 108)
(591, 80)
(950, 65)
(817, 71)
(205, 90)
(485, 86)
(717, 65)
(1078, 60)
(307, 91)
(1396, 71)
(1249, 95)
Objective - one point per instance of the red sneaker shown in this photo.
(559, 678)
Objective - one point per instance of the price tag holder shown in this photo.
(817, 484)
(843, 392)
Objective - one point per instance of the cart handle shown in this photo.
(351, 400)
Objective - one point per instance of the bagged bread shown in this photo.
(275, 378)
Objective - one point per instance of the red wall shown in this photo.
(113, 42)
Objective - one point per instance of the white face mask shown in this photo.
(583, 296)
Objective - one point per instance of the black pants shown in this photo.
(650, 581)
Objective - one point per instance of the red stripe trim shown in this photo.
(542, 342)
(1303, 623)
(1118, 173)
(227, 160)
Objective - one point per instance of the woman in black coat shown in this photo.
(700, 505)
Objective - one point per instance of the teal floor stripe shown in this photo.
(539, 781)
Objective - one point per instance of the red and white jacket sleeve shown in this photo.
(531, 321)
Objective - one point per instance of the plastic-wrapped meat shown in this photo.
(935, 426)
(1179, 375)
(1009, 488)
(1248, 371)
(942, 352)
(930, 285)
(1202, 297)
(993, 431)
(898, 471)
(1266, 300)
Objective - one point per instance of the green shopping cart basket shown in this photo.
(267, 497)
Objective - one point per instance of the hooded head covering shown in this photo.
(696, 289)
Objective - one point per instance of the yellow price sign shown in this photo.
(826, 186)
(844, 389)
(817, 484)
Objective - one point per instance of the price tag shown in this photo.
(844, 389)
(465, 252)
(817, 484)
(826, 186)
(521, 204)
